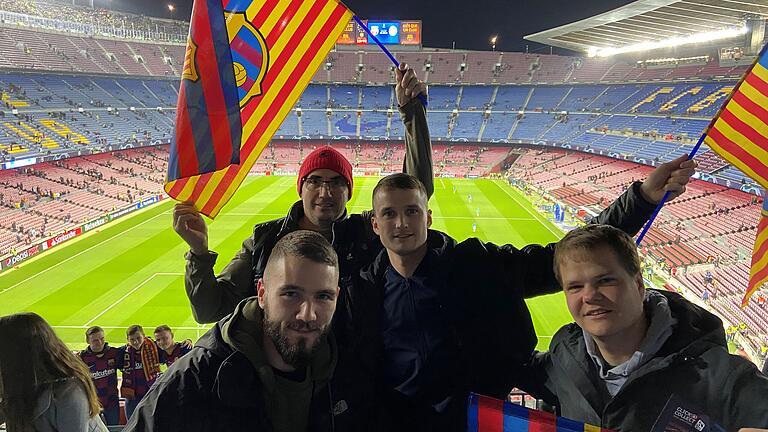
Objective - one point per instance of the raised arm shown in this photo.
(211, 297)
(531, 266)
(418, 147)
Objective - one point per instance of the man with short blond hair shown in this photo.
(169, 351)
(632, 349)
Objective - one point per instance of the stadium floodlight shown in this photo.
(171, 7)
(494, 38)
(727, 33)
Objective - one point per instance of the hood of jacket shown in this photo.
(243, 331)
(438, 244)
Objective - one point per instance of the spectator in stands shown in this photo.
(470, 303)
(267, 365)
(170, 351)
(141, 367)
(325, 186)
(43, 385)
(103, 362)
(631, 349)
(705, 295)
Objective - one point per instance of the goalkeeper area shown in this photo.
(132, 271)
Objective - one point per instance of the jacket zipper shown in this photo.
(420, 330)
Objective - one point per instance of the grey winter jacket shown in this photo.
(63, 407)
(693, 364)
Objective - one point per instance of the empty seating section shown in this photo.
(46, 199)
(710, 228)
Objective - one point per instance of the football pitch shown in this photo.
(131, 272)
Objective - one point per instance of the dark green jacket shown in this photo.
(226, 384)
(693, 364)
(213, 297)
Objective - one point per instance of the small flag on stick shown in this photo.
(493, 415)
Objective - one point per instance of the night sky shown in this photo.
(469, 23)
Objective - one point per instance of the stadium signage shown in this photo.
(94, 224)
(12, 261)
(149, 201)
(62, 237)
(124, 211)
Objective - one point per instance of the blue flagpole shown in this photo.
(421, 96)
(666, 194)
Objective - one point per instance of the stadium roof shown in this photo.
(651, 20)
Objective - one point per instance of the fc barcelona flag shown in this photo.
(758, 275)
(246, 65)
(493, 415)
(739, 133)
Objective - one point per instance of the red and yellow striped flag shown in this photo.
(739, 133)
(271, 52)
(758, 275)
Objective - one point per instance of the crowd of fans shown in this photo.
(62, 10)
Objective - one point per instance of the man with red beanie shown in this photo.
(325, 185)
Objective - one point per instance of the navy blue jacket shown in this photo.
(481, 289)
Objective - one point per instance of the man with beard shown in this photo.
(265, 367)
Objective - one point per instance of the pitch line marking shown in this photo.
(127, 294)
(79, 253)
(532, 213)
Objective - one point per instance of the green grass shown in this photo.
(131, 272)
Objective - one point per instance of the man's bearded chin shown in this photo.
(297, 354)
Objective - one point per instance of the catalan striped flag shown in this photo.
(493, 415)
(758, 275)
(739, 133)
(246, 65)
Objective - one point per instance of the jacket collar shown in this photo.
(296, 212)
(695, 332)
(438, 244)
(244, 374)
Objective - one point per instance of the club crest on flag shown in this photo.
(250, 56)
(190, 68)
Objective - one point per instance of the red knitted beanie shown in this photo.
(325, 157)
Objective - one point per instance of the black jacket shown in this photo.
(213, 297)
(216, 387)
(484, 287)
(693, 364)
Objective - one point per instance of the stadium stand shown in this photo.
(711, 228)
(91, 85)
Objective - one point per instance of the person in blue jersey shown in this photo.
(103, 362)
(169, 350)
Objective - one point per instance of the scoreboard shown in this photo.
(389, 32)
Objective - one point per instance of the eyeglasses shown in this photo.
(335, 184)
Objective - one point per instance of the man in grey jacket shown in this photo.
(632, 350)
